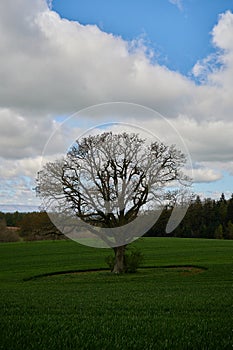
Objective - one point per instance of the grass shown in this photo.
(156, 308)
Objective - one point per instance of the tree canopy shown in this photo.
(109, 180)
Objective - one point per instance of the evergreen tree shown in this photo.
(229, 230)
(219, 232)
(229, 216)
(222, 210)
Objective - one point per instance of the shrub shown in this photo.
(133, 259)
(110, 260)
(7, 235)
(38, 226)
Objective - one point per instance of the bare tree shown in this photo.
(109, 180)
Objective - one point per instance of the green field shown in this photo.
(156, 308)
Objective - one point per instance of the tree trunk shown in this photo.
(119, 266)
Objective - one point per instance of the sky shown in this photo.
(59, 57)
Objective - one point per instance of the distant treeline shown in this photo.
(204, 219)
(27, 226)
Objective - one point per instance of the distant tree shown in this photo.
(13, 219)
(222, 209)
(2, 221)
(219, 232)
(229, 215)
(109, 179)
(38, 226)
(196, 216)
(206, 218)
(229, 230)
(6, 235)
(210, 217)
(159, 228)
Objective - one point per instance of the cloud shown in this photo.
(218, 67)
(222, 31)
(177, 3)
(207, 141)
(21, 135)
(13, 169)
(50, 4)
(205, 175)
(53, 65)
(56, 66)
(18, 180)
(222, 40)
(205, 67)
(229, 168)
(50, 66)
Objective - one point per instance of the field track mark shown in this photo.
(185, 270)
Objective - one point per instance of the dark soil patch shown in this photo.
(184, 270)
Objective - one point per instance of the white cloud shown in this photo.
(59, 66)
(21, 135)
(51, 66)
(12, 169)
(18, 181)
(222, 32)
(218, 68)
(205, 175)
(203, 68)
(50, 4)
(229, 168)
(177, 3)
(207, 141)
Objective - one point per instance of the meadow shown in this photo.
(181, 298)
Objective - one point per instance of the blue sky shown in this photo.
(61, 56)
(179, 35)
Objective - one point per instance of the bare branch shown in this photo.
(107, 180)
